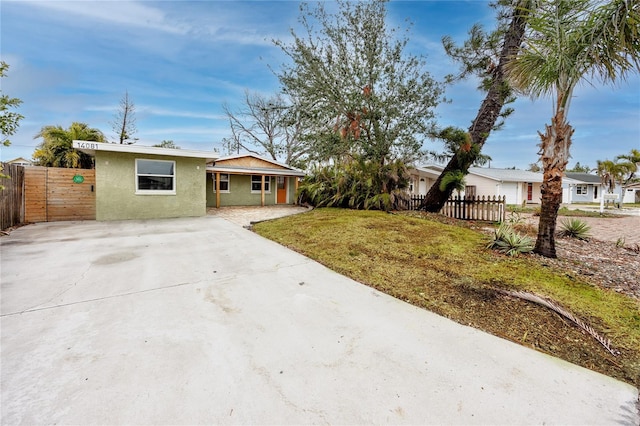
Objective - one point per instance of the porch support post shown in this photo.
(262, 191)
(295, 199)
(217, 190)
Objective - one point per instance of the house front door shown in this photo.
(281, 197)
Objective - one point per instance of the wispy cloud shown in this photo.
(163, 112)
(127, 13)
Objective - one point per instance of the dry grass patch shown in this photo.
(443, 266)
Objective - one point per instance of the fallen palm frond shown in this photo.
(560, 310)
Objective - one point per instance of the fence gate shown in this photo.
(12, 196)
(55, 194)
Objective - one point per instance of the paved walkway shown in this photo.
(244, 215)
(199, 321)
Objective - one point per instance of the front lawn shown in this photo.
(443, 266)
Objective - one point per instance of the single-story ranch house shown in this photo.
(584, 187)
(517, 186)
(142, 182)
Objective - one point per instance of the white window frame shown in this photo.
(582, 190)
(267, 184)
(228, 180)
(156, 191)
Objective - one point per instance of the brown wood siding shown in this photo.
(249, 162)
(51, 194)
(12, 196)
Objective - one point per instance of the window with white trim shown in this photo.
(581, 189)
(224, 182)
(256, 182)
(155, 177)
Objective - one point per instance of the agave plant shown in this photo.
(574, 228)
(509, 242)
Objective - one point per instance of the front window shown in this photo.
(581, 189)
(155, 177)
(256, 182)
(224, 182)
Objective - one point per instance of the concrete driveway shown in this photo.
(200, 321)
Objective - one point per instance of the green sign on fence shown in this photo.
(78, 179)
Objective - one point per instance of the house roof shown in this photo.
(20, 160)
(583, 177)
(90, 148)
(253, 165)
(507, 175)
(512, 175)
(426, 170)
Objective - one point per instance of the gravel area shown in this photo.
(600, 262)
(611, 257)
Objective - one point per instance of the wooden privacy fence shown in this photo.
(56, 194)
(12, 196)
(490, 209)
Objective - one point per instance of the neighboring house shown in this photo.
(20, 161)
(142, 182)
(632, 193)
(422, 178)
(518, 186)
(588, 188)
(581, 188)
(237, 180)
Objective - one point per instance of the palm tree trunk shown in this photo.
(554, 151)
(489, 110)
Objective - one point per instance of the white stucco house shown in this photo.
(518, 186)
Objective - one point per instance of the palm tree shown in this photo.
(494, 80)
(453, 181)
(612, 173)
(56, 149)
(570, 41)
(632, 162)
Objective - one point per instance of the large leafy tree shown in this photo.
(485, 56)
(578, 168)
(56, 148)
(267, 125)
(570, 41)
(362, 95)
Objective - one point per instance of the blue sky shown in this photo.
(180, 61)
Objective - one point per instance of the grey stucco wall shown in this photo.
(240, 192)
(116, 197)
(588, 197)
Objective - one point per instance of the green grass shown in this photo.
(446, 268)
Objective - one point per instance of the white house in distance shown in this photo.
(20, 161)
(518, 186)
(581, 188)
(588, 188)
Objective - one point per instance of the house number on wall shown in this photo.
(78, 179)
